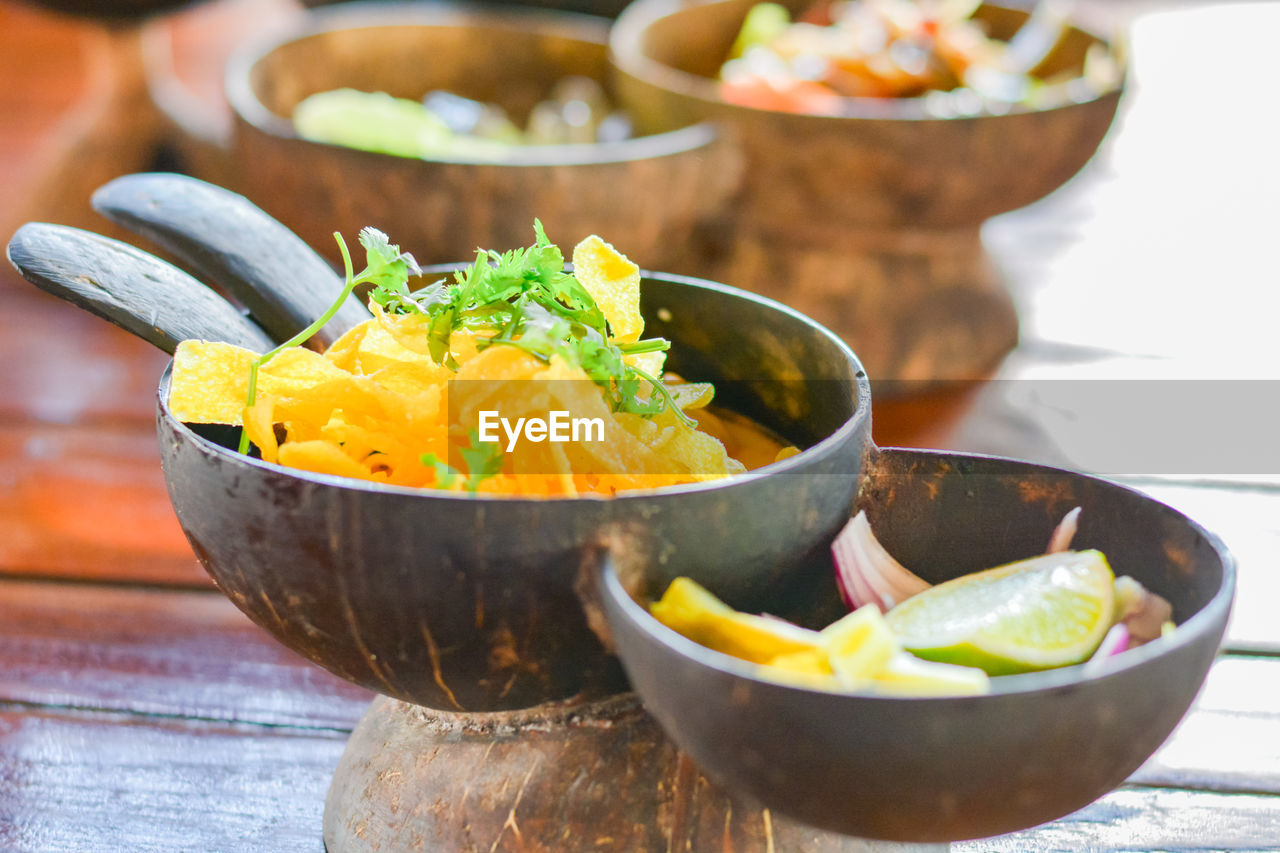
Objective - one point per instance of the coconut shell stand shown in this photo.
(595, 776)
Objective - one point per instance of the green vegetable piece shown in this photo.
(483, 460)
(385, 265)
(371, 121)
(764, 23)
(446, 474)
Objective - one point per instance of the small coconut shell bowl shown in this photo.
(1038, 747)
(461, 602)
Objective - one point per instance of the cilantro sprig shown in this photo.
(524, 299)
(385, 266)
(483, 460)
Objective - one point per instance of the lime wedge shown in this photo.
(1035, 614)
(764, 23)
(371, 121)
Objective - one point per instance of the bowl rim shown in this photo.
(791, 465)
(1215, 611)
(246, 106)
(627, 57)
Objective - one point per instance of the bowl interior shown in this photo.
(508, 56)
(471, 603)
(943, 769)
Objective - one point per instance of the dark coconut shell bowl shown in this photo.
(648, 191)
(1040, 746)
(458, 602)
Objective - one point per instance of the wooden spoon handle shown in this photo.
(138, 292)
(230, 242)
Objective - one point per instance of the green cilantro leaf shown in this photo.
(446, 474)
(484, 460)
(386, 266)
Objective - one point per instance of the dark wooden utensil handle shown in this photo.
(230, 242)
(138, 292)
(111, 10)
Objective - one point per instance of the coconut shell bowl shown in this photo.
(650, 190)
(507, 635)
(867, 220)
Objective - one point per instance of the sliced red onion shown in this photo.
(1115, 642)
(865, 571)
(1142, 611)
(1064, 532)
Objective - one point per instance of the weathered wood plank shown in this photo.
(76, 782)
(1146, 819)
(1242, 685)
(172, 653)
(193, 654)
(66, 366)
(95, 782)
(1220, 752)
(89, 502)
(1230, 740)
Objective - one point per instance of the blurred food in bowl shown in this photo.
(443, 124)
(868, 218)
(838, 49)
(650, 191)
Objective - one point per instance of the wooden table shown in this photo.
(140, 711)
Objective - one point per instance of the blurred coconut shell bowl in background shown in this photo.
(649, 192)
(868, 219)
